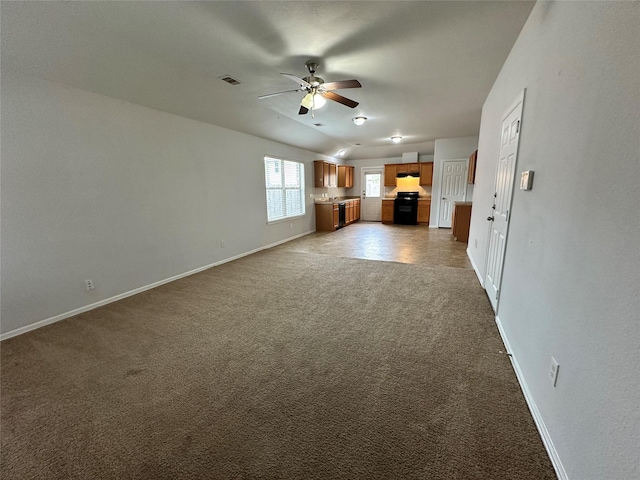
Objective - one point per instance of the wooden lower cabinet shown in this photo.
(352, 211)
(348, 213)
(424, 211)
(325, 217)
(328, 214)
(387, 211)
(461, 221)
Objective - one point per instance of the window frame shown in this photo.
(283, 188)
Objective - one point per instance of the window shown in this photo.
(372, 184)
(284, 180)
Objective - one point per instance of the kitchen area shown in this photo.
(401, 192)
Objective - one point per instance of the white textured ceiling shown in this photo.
(425, 67)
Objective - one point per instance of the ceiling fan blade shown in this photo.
(341, 84)
(278, 93)
(303, 110)
(340, 99)
(298, 80)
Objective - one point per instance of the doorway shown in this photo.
(500, 212)
(453, 188)
(372, 178)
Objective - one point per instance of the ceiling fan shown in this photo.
(317, 90)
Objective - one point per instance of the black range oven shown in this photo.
(405, 208)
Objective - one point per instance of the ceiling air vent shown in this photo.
(229, 80)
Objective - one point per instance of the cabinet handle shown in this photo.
(489, 219)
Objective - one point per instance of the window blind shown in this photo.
(284, 182)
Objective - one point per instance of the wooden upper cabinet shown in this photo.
(333, 175)
(426, 173)
(345, 176)
(402, 167)
(472, 167)
(325, 174)
(317, 173)
(390, 175)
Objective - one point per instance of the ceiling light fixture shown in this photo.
(359, 120)
(396, 139)
(316, 101)
(342, 152)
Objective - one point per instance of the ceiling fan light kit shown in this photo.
(317, 91)
(359, 120)
(396, 139)
(313, 102)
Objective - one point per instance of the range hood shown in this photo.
(407, 174)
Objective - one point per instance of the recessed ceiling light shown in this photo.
(396, 139)
(342, 152)
(359, 120)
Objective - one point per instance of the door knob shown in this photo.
(489, 219)
(444, 198)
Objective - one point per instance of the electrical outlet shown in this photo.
(475, 243)
(553, 371)
(223, 243)
(291, 225)
(89, 284)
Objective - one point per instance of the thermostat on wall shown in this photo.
(526, 180)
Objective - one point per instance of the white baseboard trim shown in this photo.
(535, 413)
(86, 308)
(475, 268)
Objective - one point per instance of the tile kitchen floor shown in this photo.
(417, 244)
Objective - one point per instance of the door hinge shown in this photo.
(518, 127)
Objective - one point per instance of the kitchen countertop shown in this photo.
(334, 199)
(327, 200)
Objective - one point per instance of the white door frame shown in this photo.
(363, 172)
(466, 160)
(518, 103)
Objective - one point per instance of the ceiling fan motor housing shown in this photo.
(315, 81)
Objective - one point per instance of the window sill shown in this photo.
(286, 219)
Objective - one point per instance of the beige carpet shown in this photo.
(279, 365)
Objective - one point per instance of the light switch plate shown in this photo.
(526, 180)
(553, 371)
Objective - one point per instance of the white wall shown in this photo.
(94, 187)
(449, 149)
(571, 280)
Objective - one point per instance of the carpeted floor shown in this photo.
(279, 365)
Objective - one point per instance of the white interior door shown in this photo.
(499, 218)
(453, 188)
(371, 204)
